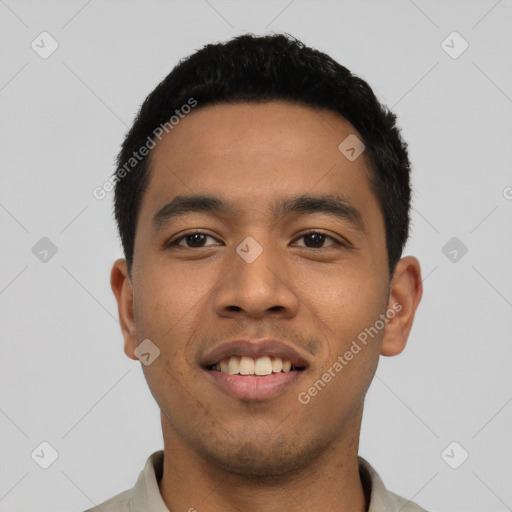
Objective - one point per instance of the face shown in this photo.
(312, 275)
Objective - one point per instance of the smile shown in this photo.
(261, 366)
(254, 379)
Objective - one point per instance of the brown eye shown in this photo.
(192, 240)
(315, 240)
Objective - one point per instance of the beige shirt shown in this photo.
(145, 496)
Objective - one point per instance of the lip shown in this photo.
(255, 349)
(254, 388)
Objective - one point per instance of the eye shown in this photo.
(317, 239)
(194, 239)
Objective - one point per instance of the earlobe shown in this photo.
(405, 295)
(121, 285)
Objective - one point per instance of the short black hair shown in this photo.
(250, 68)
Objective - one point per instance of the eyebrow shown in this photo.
(331, 204)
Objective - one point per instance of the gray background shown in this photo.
(64, 377)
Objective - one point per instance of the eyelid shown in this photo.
(341, 242)
(175, 241)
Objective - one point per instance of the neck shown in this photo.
(330, 483)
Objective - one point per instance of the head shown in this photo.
(292, 160)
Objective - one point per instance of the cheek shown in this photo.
(354, 354)
(167, 308)
(348, 301)
(168, 294)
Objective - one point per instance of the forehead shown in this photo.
(254, 153)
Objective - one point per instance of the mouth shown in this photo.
(254, 370)
(259, 367)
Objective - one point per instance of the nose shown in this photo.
(256, 287)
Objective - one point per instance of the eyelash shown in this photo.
(176, 242)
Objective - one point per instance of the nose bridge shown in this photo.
(255, 283)
(253, 264)
(255, 260)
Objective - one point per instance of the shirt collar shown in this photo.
(146, 493)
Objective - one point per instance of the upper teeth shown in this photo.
(248, 366)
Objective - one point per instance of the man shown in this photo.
(262, 198)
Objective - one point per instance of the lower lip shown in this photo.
(250, 387)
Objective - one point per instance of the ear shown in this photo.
(121, 285)
(405, 294)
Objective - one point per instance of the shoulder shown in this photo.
(145, 495)
(400, 503)
(118, 503)
(381, 499)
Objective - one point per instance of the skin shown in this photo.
(223, 453)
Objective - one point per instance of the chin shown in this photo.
(281, 457)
